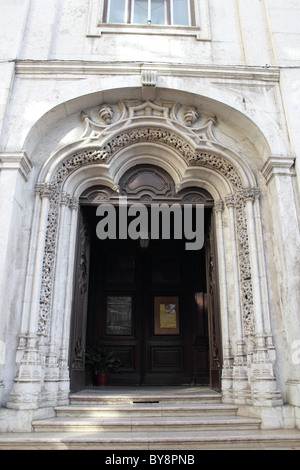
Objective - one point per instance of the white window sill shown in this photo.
(162, 30)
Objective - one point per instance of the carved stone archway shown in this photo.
(176, 138)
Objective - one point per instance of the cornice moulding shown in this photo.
(280, 166)
(16, 161)
(61, 67)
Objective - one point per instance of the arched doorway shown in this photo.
(154, 302)
(168, 136)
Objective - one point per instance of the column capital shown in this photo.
(250, 194)
(64, 198)
(219, 205)
(45, 190)
(230, 200)
(74, 203)
(280, 166)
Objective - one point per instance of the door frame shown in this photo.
(189, 195)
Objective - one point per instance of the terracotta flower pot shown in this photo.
(102, 380)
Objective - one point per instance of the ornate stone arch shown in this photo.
(174, 137)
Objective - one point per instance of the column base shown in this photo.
(25, 395)
(277, 417)
(293, 392)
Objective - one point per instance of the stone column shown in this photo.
(14, 170)
(51, 378)
(260, 248)
(64, 377)
(240, 376)
(227, 354)
(27, 385)
(263, 381)
(279, 174)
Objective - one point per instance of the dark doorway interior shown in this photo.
(150, 306)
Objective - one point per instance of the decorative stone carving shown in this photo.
(48, 262)
(44, 190)
(251, 194)
(143, 179)
(149, 78)
(191, 117)
(219, 205)
(64, 198)
(106, 114)
(122, 113)
(161, 135)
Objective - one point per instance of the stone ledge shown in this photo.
(277, 417)
(14, 421)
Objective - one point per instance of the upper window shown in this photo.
(151, 17)
(151, 12)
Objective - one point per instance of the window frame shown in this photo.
(200, 30)
(129, 14)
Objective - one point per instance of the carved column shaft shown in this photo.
(228, 360)
(27, 385)
(29, 277)
(250, 196)
(219, 207)
(240, 384)
(230, 202)
(45, 194)
(52, 368)
(64, 369)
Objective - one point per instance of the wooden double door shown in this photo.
(150, 306)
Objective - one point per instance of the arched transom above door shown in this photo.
(147, 184)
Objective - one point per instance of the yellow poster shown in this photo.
(167, 315)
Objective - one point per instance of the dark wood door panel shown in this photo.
(165, 270)
(166, 358)
(130, 373)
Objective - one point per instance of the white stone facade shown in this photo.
(218, 107)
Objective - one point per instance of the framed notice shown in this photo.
(119, 315)
(166, 316)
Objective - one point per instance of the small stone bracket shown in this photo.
(149, 82)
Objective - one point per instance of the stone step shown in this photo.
(111, 397)
(146, 410)
(155, 441)
(148, 420)
(144, 424)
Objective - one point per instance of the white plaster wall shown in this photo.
(35, 98)
(39, 112)
(283, 20)
(243, 32)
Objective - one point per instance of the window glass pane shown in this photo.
(158, 12)
(117, 11)
(181, 12)
(140, 15)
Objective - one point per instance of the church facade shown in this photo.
(157, 103)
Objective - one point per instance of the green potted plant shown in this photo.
(103, 362)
